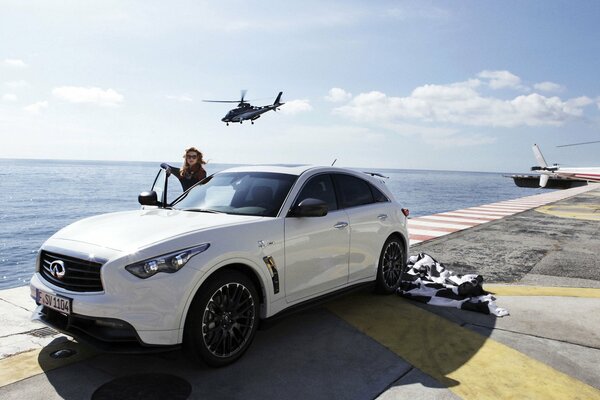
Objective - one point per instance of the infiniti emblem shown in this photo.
(57, 269)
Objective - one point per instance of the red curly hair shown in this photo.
(194, 169)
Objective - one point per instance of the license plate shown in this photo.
(58, 303)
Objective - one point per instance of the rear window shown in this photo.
(353, 191)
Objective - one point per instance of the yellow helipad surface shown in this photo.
(590, 212)
(470, 365)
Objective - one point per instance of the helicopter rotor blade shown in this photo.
(243, 91)
(221, 101)
(578, 144)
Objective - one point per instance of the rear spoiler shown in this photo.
(376, 174)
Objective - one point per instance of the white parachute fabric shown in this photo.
(428, 281)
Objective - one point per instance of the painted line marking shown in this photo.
(589, 212)
(488, 212)
(470, 365)
(500, 207)
(432, 233)
(439, 217)
(429, 226)
(421, 238)
(433, 227)
(439, 225)
(473, 215)
(518, 290)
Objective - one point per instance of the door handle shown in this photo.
(340, 225)
(382, 217)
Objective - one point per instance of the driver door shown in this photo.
(316, 248)
(167, 187)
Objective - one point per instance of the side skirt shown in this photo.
(312, 303)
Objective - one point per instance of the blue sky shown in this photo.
(461, 85)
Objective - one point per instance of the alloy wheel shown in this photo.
(228, 320)
(393, 262)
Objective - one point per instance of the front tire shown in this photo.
(222, 319)
(392, 263)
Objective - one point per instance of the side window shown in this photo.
(319, 187)
(174, 189)
(354, 191)
(173, 186)
(378, 196)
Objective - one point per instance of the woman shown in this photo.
(191, 171)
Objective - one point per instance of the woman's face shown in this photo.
(191, 158)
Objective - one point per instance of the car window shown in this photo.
(245, 193)
(174, 189)
(353, 191)
(319, 187)
(378, 196)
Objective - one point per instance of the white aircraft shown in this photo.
(589, 174)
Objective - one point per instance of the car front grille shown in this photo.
(79, 275)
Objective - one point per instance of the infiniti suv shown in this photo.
(205, 268)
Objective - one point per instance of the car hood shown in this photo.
(132, 230)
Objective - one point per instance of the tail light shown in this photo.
(405, 211)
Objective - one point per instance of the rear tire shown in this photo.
(222, 319)
(392, 263)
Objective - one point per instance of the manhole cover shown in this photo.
(144, 386)
(43, 332)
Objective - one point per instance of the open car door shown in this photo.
(165, 189)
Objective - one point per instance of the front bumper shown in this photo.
(149, 312)
(106, 334)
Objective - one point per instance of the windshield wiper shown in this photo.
(205, 210)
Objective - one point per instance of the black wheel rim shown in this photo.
(393, 262)
(228, 320)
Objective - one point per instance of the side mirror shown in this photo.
(148, 198)
(309, 208)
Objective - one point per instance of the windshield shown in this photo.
(244, 193)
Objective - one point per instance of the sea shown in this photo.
(39, 197)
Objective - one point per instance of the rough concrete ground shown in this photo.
(526, 247)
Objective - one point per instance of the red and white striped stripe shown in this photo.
(429, 227)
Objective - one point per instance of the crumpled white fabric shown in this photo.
(429, 281)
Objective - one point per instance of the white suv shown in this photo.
(241, 246)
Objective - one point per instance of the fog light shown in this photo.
(111, 324)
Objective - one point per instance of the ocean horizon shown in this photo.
(39, 197)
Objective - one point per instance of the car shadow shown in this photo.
(316, 354)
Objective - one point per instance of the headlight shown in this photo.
(168, 263)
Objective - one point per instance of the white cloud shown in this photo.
(337, 95)
(36, 108)
(501, 79)
(91, 95)
(295, 107)
(439, 136)
(9, 97)
(459, 140)
(181, 98)
(15, 63)
(461, 103)
(16, 84)
(549, 87)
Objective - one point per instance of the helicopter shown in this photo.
(589, 174)
(246, 111)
